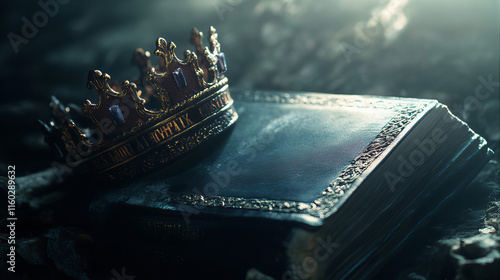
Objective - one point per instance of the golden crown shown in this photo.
(188, 105)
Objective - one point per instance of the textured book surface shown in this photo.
(306, 186)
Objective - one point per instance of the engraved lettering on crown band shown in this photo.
(171, 128)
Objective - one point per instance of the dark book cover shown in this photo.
(305, 186)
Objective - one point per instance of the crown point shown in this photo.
(165, 50)
(127, 84)
(141, 59)
(214, 43)
(196, 37)
(161, 42)
(97, 80)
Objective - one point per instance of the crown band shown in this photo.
(167, 140)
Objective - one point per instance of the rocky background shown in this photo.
(446, 50)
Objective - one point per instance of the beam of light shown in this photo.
(390, 17)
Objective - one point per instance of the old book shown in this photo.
(306, 186)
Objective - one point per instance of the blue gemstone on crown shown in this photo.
(179, 78)
(221, 62)
(116, 114)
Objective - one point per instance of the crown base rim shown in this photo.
(167, 141)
